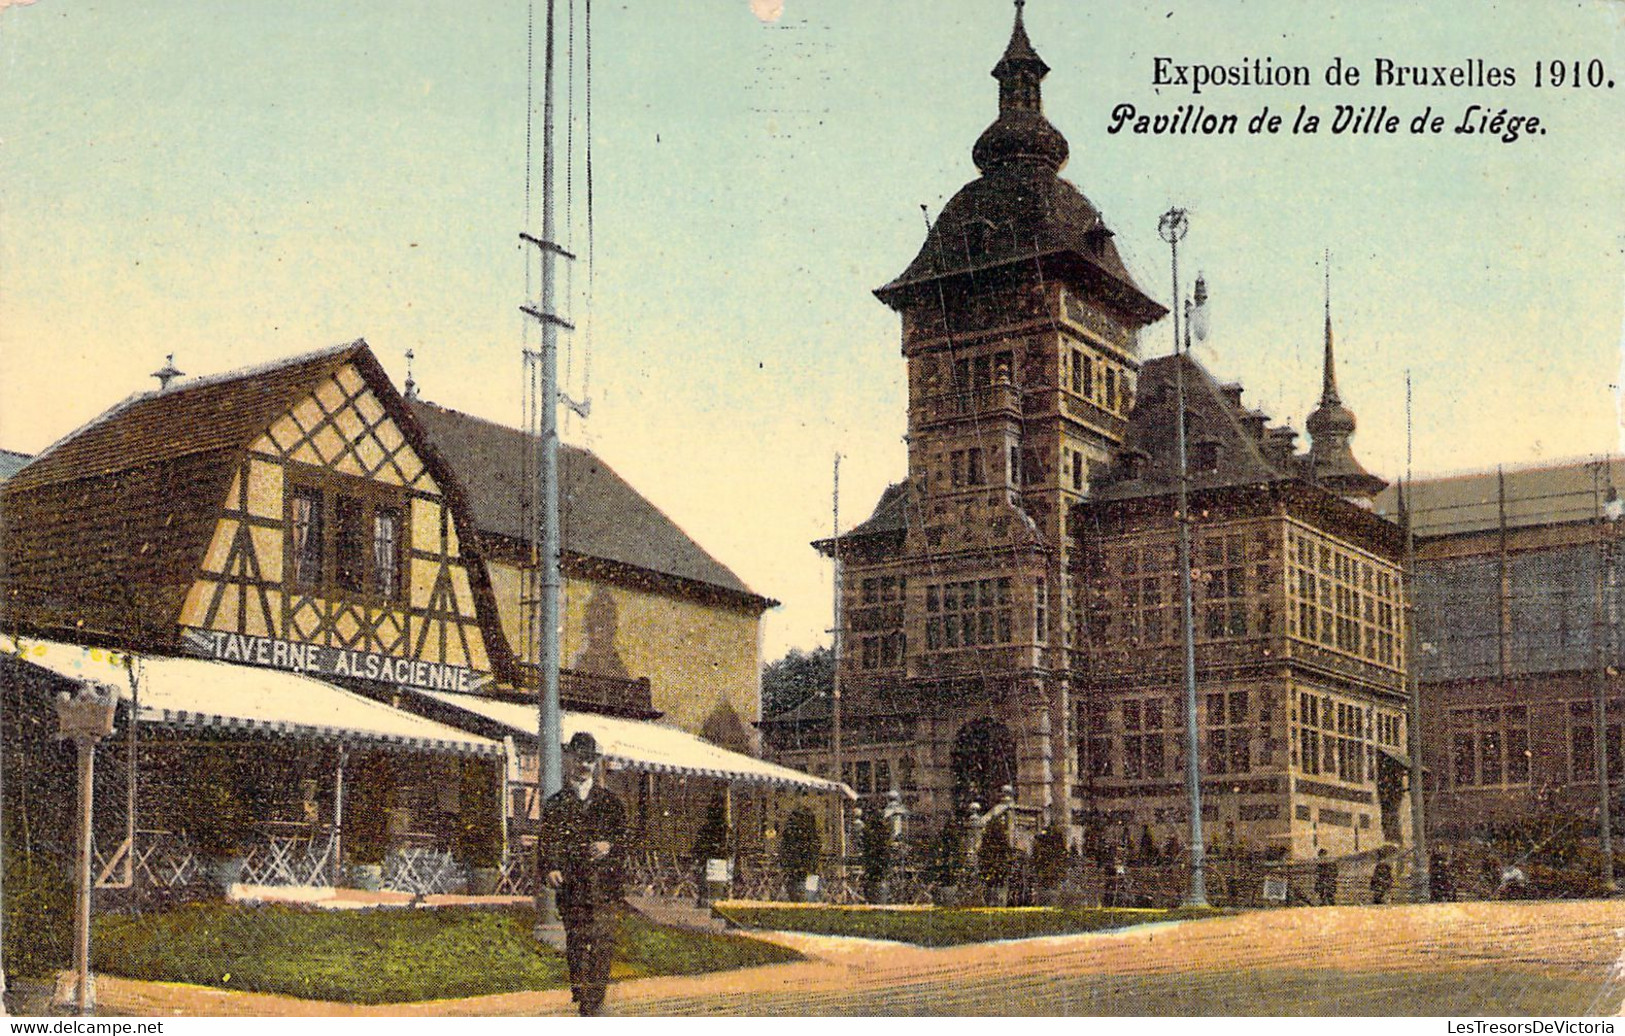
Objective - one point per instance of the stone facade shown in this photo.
(1009, 610)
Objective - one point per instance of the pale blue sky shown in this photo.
(234, 183)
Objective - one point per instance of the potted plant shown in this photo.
(993, 861)
(1049, 863)
(799, 850)
(711, 843)
(479, 828)
(221, 824)
(366, 826)
(875, 851)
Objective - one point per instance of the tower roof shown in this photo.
(1020, 211)
(1331, 461)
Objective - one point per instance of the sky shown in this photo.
(237, 183)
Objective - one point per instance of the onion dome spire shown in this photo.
(1021, 131)
(1331, 460)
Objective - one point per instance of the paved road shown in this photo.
(1446, 959)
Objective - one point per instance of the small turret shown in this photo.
(1331, 462)
(1020, 131)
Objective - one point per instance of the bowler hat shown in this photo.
(583, 745)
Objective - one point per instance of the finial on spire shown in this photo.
(1331, 462)
(411, 386)
(167, 373)
(1328, 377)
(1021, 131)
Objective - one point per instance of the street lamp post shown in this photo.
(84, 718)
(1605, 834)
(1172, 228)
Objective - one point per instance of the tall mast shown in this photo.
(542, 393)
(1172, 228)
(1420, 883)
(835, 650)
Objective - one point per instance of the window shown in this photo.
(349, 544)
(1583, 742)
(1111, 388)
(1224, 613)
(1041, 611)
(347, 540)
(1229, 734)
(1144, 750)
(386, 552)
(1077, 471)
(306, 526)
(876, 621)
(1081, 373)
(969, 614)
(1205, 455)
(1342, 600)
(1490, 745)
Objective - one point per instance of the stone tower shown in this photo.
(1020, 331)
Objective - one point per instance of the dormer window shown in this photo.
(1205, 455)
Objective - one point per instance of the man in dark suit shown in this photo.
(580, 855)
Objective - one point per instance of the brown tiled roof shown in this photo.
(1023, 213)
(1543, 494)
(110, 555)
(889, 520)
(202, 416)
(1019, 210)
(600, 515)
(1214, 417)
(103, 533)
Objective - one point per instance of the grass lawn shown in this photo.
(948, 926)
(388, 955)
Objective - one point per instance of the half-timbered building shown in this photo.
(301, 517)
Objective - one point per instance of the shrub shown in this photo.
(39, 907)
(711, 840)
(945, 858)
(366, 821)
(993, 857)
(1049, 858)
(479, 825)
(800, 846)
(221, 822)
(876, 850)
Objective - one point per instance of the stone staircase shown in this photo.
(678, 913)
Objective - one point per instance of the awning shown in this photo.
(1394, 756)
(185, 693)
(646, 746)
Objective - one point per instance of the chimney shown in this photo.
(1278, 448)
